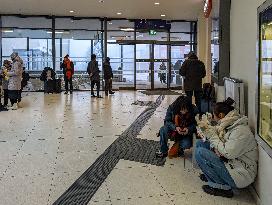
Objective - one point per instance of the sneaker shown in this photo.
(19, 105)
(159, 154)
(106, 93)
(71, 92)
(99, 96)
(111, 92)
(203, 178)
(217, 192)
(14, 107)
(65, 93)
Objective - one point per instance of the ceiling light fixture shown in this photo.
(119, 13)
(7, 31)
(157, 3)
(110, 23)
(101, 1)
(126, 29)
(71, 11)
(163, 15)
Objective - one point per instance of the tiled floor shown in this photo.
(47, 145)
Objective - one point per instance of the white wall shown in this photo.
(243, 65)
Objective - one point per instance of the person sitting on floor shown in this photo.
(228, 157)
(179, 124)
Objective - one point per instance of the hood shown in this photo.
(233, 119)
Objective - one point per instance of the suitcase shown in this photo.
(58, 86)
(49, 86)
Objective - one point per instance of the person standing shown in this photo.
(108, 75)
(5, 68)
(93, 72)
(68, 72)
(193, 71)
(15, 78)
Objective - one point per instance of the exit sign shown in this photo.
(152, 32)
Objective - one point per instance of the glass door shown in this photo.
(144, 66)
(161, 67)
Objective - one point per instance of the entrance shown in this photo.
(152, 65)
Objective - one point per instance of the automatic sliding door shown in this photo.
(161, 68)
(143, 66)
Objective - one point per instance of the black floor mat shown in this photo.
(160, 92)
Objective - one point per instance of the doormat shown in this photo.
(160, 92)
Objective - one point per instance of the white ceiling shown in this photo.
(173, 9)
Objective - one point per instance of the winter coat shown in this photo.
(107, 71)
(169, 120)
(93, 71)
(193, 71)
(4, 81)
(65, 69)
(238, 146)
(15, 74)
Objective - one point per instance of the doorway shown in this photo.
(152, 65)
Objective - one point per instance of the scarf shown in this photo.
(68, 68)
(224, 123)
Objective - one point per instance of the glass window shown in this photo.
(265, 78)
(30, 37)
(79, 38)
(215, 46)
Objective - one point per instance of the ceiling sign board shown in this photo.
(207, 8)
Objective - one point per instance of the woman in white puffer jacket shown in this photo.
(228, 159)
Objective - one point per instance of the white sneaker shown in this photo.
(19, 105)
(14, 107)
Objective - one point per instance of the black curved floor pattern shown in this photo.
(127, 147)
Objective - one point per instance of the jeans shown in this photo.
(184, 143)
(198, 95)
(70, 81)
(6, 97)
(213, 167)
(93, 83)
(108, 85)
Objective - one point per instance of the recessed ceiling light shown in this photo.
(119, 13)
(110, 23)
(157, 3)
(163, 15)
(71, 11)
(101, 1)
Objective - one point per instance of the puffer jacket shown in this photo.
(238, 146)
(15, 74)
(193, 71)
(4, 81)
(107, 71)
(93, 71)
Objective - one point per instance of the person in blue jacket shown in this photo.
(180, 123)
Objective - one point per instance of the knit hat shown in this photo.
(13, 55)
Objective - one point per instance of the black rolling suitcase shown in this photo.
(58, 86)
(49, 86)
(208, 98)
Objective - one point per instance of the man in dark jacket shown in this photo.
(193, 71)
(108, 75)
(93, 72)
(68, 72)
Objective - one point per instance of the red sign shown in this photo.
(207, 8)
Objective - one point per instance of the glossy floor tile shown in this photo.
(49, 144)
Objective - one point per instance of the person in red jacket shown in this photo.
(68, 72)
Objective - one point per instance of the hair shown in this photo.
(182, 102)
(93, 56)
(67, 56)
(192, 55)
(107, 59)
(224, 107)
